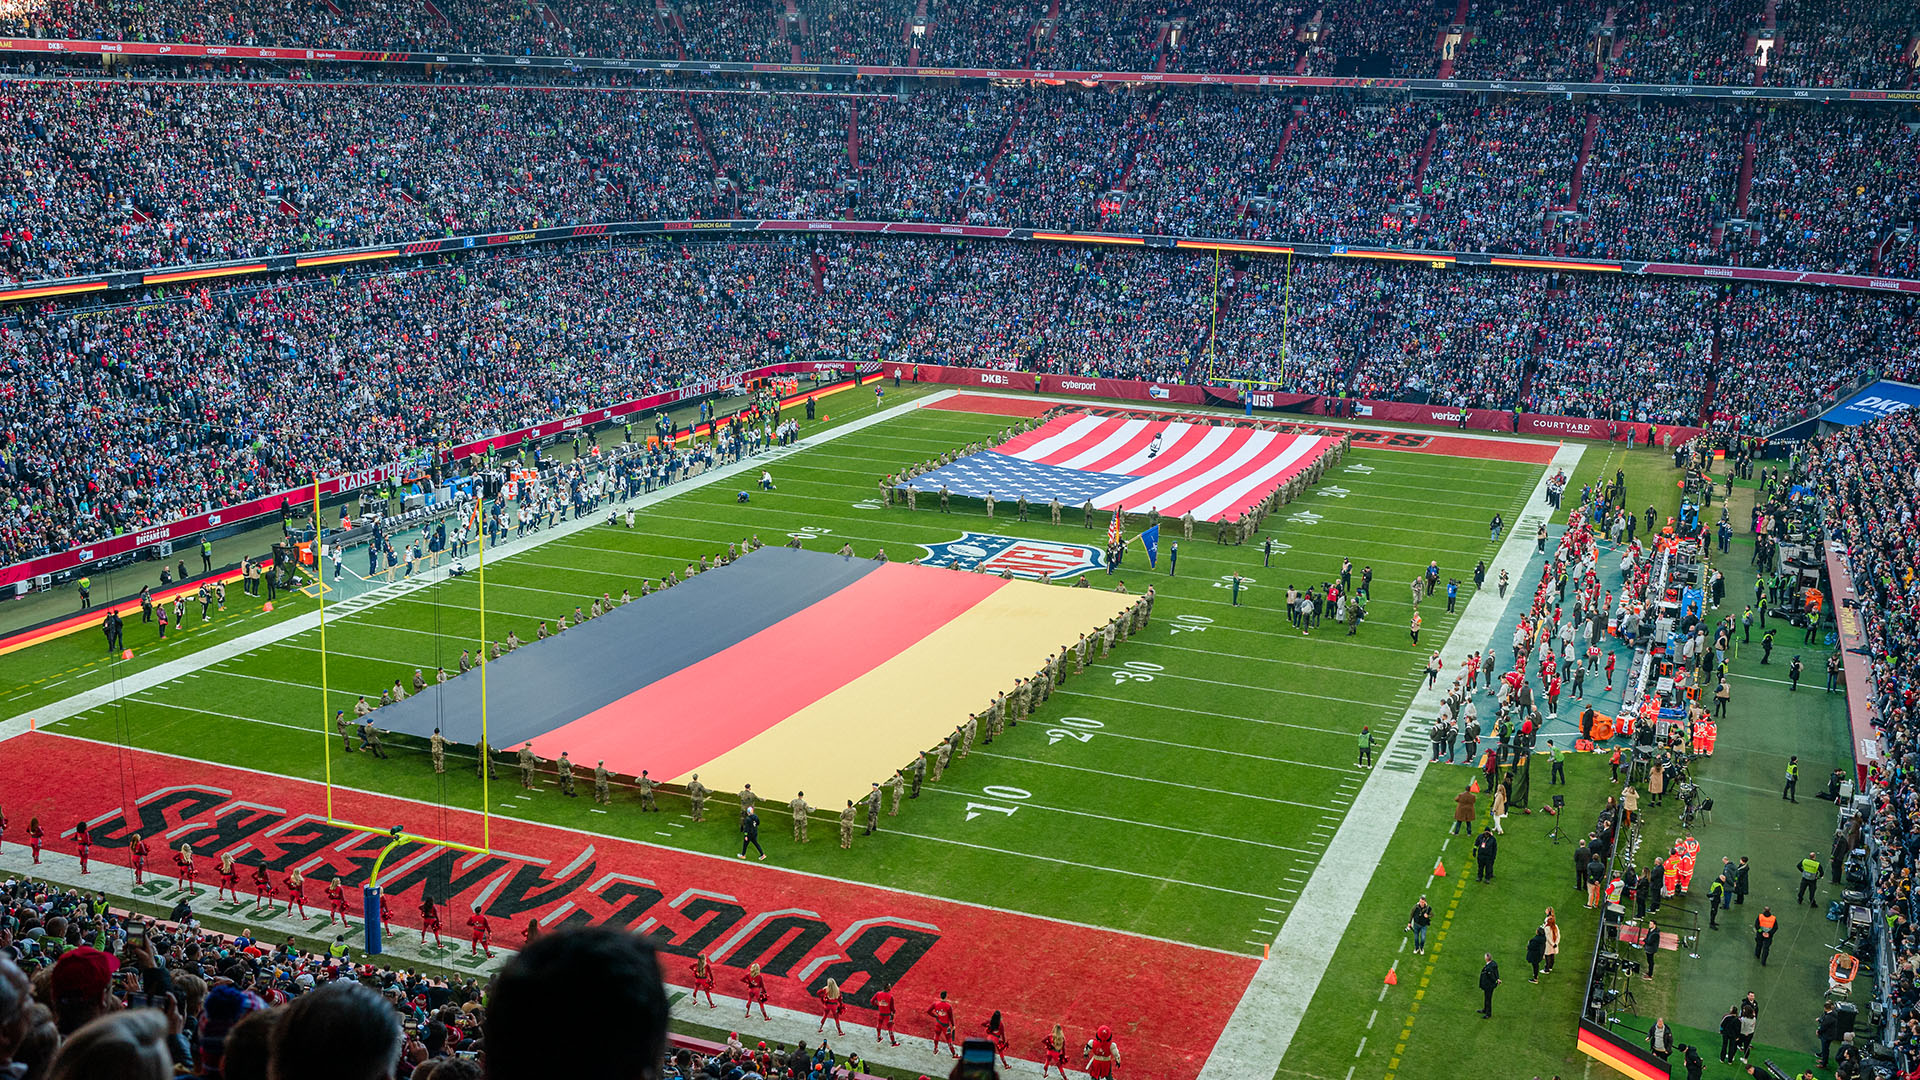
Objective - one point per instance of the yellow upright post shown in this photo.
(486, 744)
(1213, 317)
(320, 576)
(1286, 316)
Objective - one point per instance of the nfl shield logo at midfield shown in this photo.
(1025, 558)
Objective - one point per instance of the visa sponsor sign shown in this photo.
(1876, 402)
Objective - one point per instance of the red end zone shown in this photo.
(801, 929)
(993, 405)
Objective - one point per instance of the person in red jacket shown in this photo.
(139, 850)
(83, 840)
(942, 1013)
(1102, 1053)
(480, 934)
(756, 991)
(296, 891)
(429, 920)
(883, 1004)
(229, 878)
(263, 888)
(703, 979)
(1054, 1047)
(336, 902)
(997, 1031)
(831, 1006)
(36, 836)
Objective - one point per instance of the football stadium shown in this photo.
(484, 481)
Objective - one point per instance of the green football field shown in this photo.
(1183, 788)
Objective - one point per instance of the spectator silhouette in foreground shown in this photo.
(578, 1003)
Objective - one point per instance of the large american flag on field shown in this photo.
(1214, 472)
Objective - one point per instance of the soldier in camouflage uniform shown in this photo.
(997, 716)
(913, 498)
(899, 786)
(846, 826)
(602, 791)
(1080, 655)
(873, 810)
(1053, 508)
(1022, 506)
(968, 731)
(1086, 514)
(886, 491)
(438, 747)
(565, 768)
(484, 764)
(1186, 525)
(1146, 613)
(799, 809)
(989, 506)
(748, 800)
(697, 795)
(919, 774)
(646, 793)
(943, 500)
(527, 761)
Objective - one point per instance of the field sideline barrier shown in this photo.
(1854, 664)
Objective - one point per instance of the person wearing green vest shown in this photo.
(206, 556)
(1558, 774)
(1793, 779)
(338, 950)
(86, 593)
(1366, 747)
(1809, 880)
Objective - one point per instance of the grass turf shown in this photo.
(1204, 765)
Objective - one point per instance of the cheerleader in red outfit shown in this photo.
(263, 888)
(229, 878)
(942, 1013)
(1102, 1053)
(1054, 1047)
(35, 837)
(831, 1006)
(429, 920)
(703, 979)
(183, 866)
(480, 934)
(297, 891)
(756, 991)
(84, 841)
(336, 902)
(997, 1031)
(140, 851)
(883, 1004)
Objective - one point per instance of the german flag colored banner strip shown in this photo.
(1620, 1056)
(865, 729)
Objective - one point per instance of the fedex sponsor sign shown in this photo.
(1876, 402)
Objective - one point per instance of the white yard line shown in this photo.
(161, 674)
(1263, 1025)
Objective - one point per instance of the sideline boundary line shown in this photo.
(1261, 1030)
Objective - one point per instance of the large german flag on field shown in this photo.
(789, 670)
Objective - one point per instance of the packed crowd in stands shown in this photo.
(117, 419)
(89, 992)
(83, 190)
(1701, 41)
(1868, 483)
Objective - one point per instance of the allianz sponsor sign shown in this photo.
(1876, 402)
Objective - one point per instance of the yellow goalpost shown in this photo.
(372, 897)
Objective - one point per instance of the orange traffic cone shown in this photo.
(1474, 787)
(268, 606)
(126, 654)
(1392, 979)
(1439, 868)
